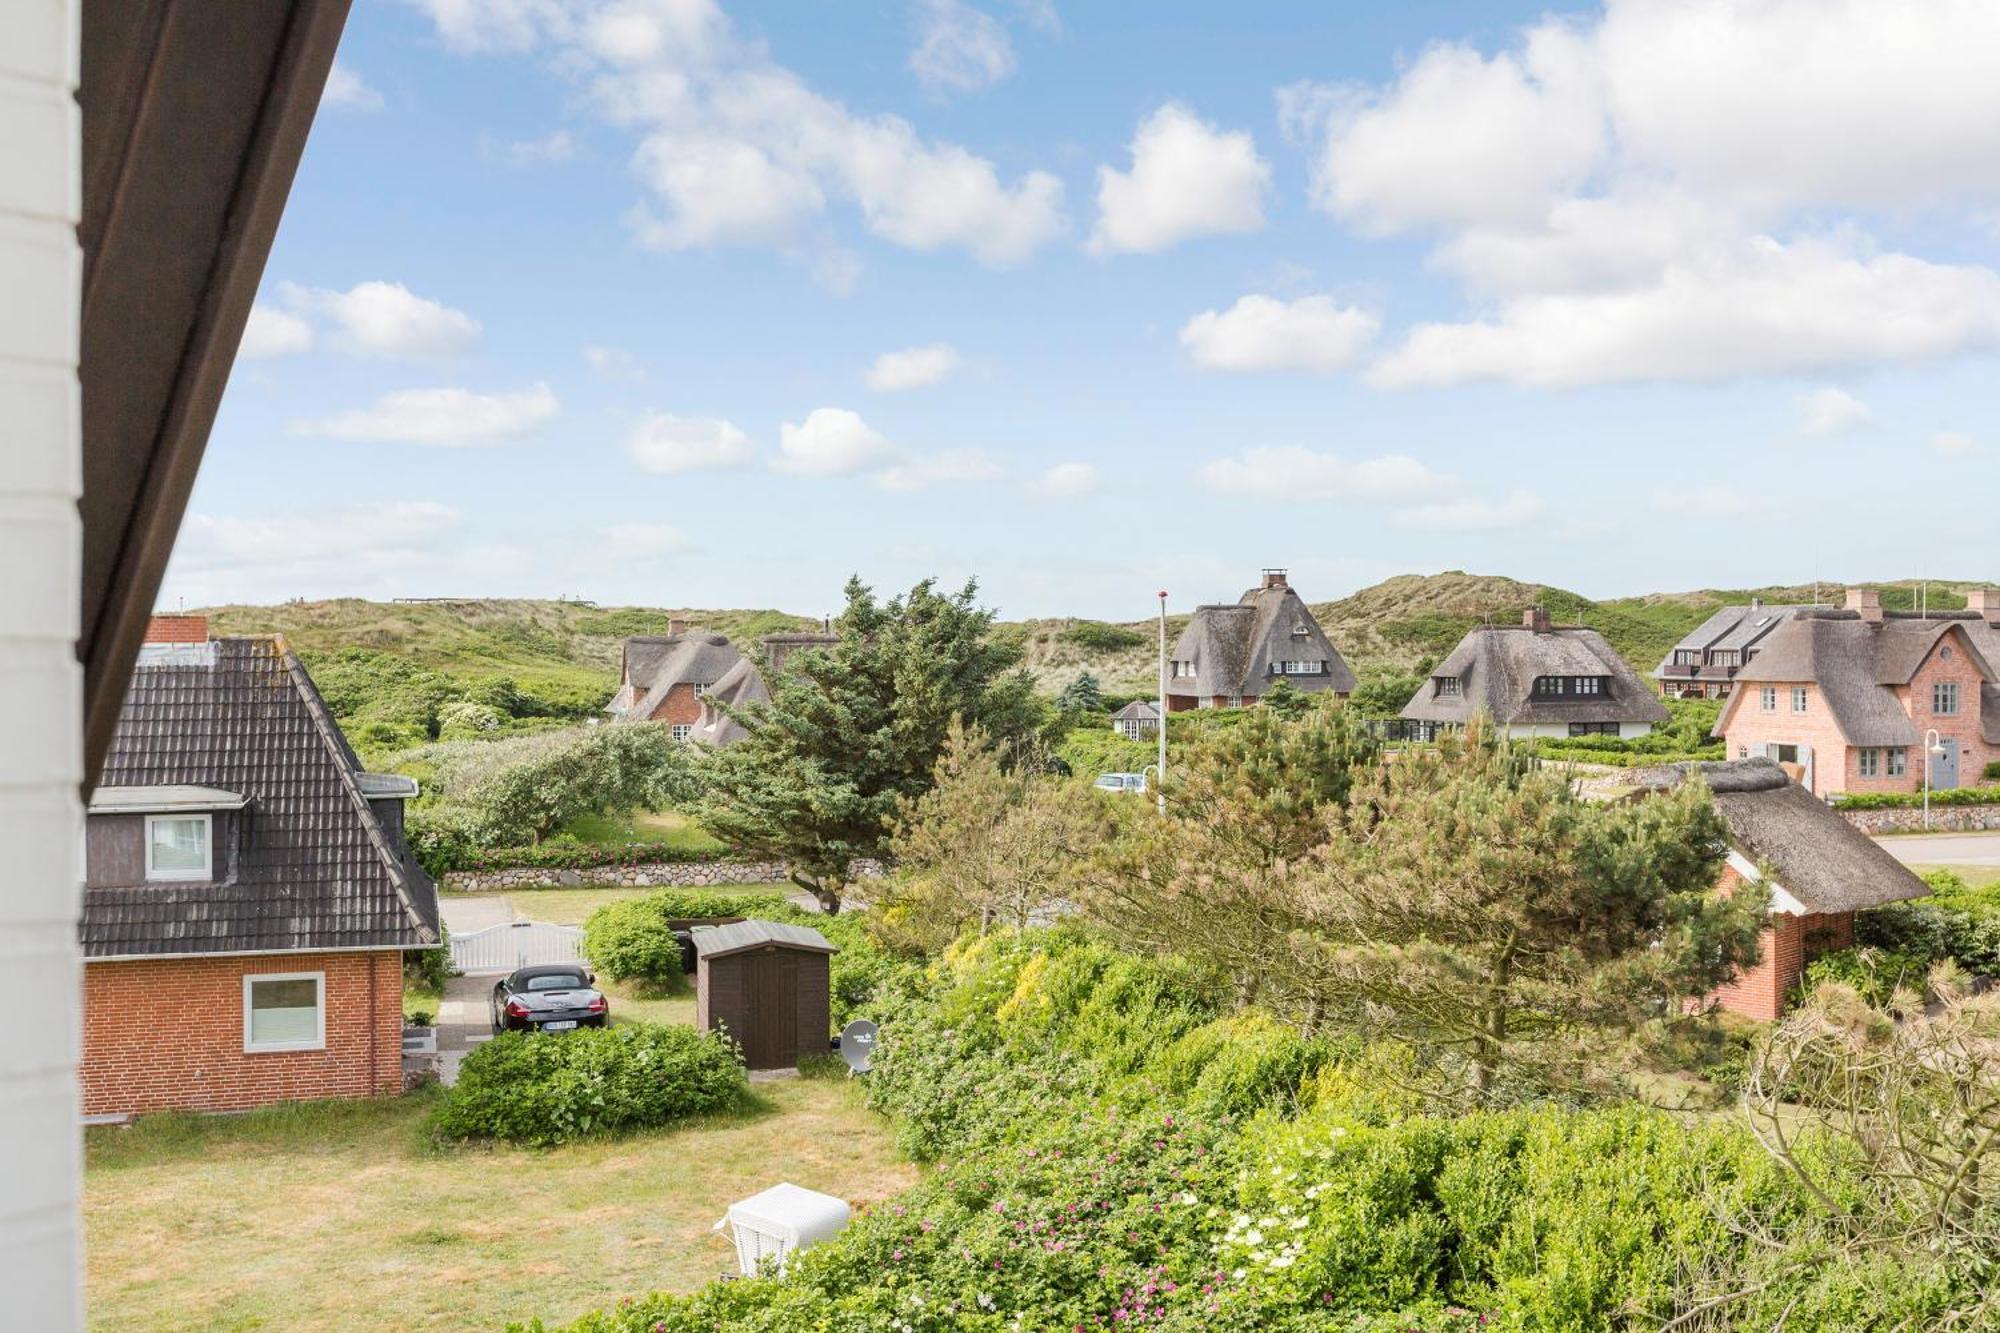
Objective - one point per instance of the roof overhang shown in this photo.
(387, 786)
(194, 119)
(163, 800)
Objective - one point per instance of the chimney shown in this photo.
(675, 625)
(1868, 602)
(1536, 618)
(177, 629)
(1275, 578)
(1756, 604)
(1985, 603)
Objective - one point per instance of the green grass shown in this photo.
(651, 826)
(418, 1000)
(569, 907)
(339, 1215)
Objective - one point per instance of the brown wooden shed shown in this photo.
(766, 984)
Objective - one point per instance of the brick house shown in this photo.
(1821, 870)
(663, 677)
(1230, 654)
(1849, 698)
(1537, 679)
(1704, 664)
(248, 896)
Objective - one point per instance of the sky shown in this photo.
(686, 303)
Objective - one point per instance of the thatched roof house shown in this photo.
(1538, 679)
(1231, 654)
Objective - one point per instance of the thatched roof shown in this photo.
(740, 686)
(1857, 666)
(654, 664)
(1497, 666)
(1818, 858)
(1236, 647)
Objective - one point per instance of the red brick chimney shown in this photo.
(1868, 602)
(1275, 578)
(1536, 618)
(177, 629)
(1984, 602)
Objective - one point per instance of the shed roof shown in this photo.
(316, 868)
(1497, 666)
(1819, 858)
(736, 937)
(1139, 710)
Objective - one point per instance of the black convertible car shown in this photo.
(551, 997)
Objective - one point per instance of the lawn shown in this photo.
(1976, 877)
(338, 1215)
(661, 826)
(569, 907)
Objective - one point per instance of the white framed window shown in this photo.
(699, 689)
(1944, 698)
(1768, 697)
(1868, 763)
(179, 847)
(1299, 631)
(1798, 698)
(1899, 761)
(1589, 685)
(1447, 687)
(284, 1011)
(680, 731)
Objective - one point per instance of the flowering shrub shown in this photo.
(548, 1088)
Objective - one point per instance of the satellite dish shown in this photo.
(857, 1045)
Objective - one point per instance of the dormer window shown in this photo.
(1687, 657)
(1448, 687)
(1302, 668)
(1301, 630)
(1567, 687)
(700, 689)
(179, 847)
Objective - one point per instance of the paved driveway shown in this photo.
(466, 913)
(1944, 849)
(463, 1018)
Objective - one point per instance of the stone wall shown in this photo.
(665, 874)
(1910, 819)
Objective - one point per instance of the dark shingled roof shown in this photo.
(1497, 666)
(1819, 858)
(1739, 629)
(1137, 711)
(1856, 664)
(314, 867)
(1235, 648)
(721, 941)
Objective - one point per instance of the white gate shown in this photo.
(515, 944)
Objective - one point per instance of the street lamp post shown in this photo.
(1163, 701)
(1933, 744)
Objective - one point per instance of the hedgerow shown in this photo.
(1094, 1172)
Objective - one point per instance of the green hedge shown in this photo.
(441, 851)
(1957, 922)
(549, 1088)
(1907, 800)
(631, 940)
(1114, 1147)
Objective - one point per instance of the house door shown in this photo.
(770, 989)
(1944, 767)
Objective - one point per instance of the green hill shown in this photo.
(399, 663)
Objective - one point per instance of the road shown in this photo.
(1944, 849)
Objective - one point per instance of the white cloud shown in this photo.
(735, 149)
(1187, 179)
(670, 444)
(1704, 501)
(959, 48)
(1763, 308)
(447, 417)
(346, 91)
(1474, 513)
(955, 467)
(912, 368)
(1067, 481)
(1954, 444)
(385, 319)
(1265, 333)
(1459, 138)
(551, 148)
(626, 542)
(831, 441)
(615, 363)
(1291, 472)
(1831, 412)
(1608, 225)
(398, 524)
(274, 332)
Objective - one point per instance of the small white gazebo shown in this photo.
(783, 1219)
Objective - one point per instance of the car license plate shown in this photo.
(562, 1026)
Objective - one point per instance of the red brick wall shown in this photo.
(163, 1034)
(1784, 948)
(680, 705)
(1973, 751)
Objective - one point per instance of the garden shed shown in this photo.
(766, 983)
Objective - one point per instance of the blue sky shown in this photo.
(675, 303)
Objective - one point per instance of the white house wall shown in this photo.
(41, 748)
(1560, 730)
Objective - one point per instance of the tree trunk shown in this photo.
(1493, 1025)
(826, 893)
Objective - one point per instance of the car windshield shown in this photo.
(556, 981)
